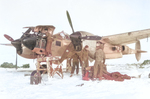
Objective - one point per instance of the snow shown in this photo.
(14, 85)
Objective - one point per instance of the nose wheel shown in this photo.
(35, 77)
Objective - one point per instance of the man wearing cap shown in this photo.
(99, 61)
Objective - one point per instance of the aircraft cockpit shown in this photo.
(62, 35)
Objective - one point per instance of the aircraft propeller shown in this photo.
(12, 40)
(76, 36)
(27, 39)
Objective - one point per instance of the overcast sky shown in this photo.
(100, 17)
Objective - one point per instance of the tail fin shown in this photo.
(139, 51)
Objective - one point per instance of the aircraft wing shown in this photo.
(7, 44)
(127, 38)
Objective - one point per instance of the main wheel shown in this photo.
(35, 77)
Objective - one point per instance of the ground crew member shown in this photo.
(68, 67)
(75, 64)
(84, 58)
(99, 59)
(49, 42)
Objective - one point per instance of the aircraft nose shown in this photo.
(29, 42)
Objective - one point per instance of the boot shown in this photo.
(71, 75)
(86, 76)
(94, 78)
(100, 78)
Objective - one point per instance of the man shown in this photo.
(68, 67)
(75, 64)
(99, 61)
(84, 58)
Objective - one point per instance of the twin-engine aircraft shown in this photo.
(34, 42)
(39, 41)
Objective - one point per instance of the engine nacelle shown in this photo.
(127, 50)
(76, 41)
(27, 53)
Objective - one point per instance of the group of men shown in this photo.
(99, 66)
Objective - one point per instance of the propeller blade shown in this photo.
(87, 37)
(16, 60)
(91, 38)
(8, 37)
(31, 27)
(7, 44)
(28, 31)
(70, 22)
(74, 36)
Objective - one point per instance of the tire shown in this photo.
(35, 77)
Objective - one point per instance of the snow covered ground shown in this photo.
(14, 85)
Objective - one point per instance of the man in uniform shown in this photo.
(49, 33)
(84, 58)
(99, 60)
(75, 58)
(68, 67)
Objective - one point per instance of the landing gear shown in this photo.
(35, 77)
(43, 69)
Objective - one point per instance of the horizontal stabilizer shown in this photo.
(140, 51)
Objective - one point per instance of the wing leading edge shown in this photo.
(127, 38)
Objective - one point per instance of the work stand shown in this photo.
(46, 68)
